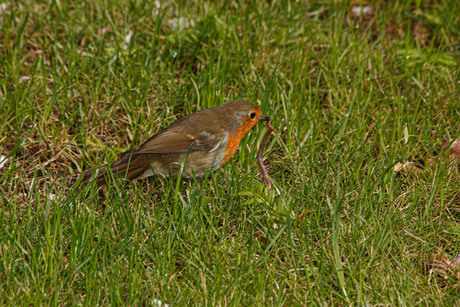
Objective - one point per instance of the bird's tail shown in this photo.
(129, 167)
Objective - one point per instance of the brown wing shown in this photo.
(133, 164)
(174, 142)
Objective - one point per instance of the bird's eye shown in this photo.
(252, 115)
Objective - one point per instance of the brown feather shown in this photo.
(173, 142)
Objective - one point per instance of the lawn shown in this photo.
(365, 204)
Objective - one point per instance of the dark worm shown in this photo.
(263, 170)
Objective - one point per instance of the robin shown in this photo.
(203, 141)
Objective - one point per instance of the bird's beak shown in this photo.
(265, 118)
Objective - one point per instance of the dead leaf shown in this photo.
(454, 150)
(303, 215)
(3, 161)
(445, 267)
(406, 168)
(359, 11)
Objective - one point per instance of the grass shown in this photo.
(351, 95)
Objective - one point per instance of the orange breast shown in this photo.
(230, 149)
(234, 140)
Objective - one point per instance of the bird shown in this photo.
(201, 142)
